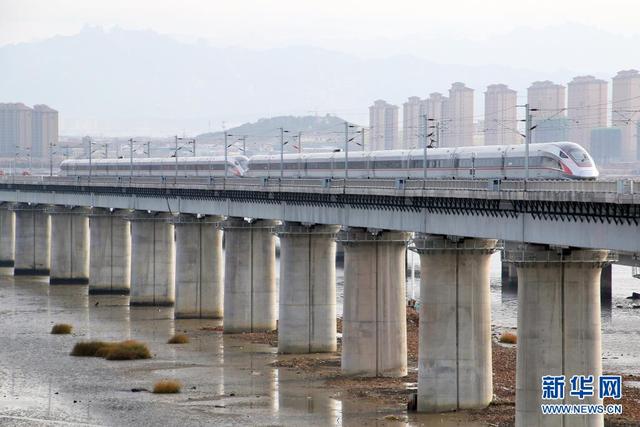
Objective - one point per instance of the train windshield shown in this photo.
(577, 154)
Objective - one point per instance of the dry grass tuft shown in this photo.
(167, 386)
(125, 350)
(128, 350)
(61, 329)
(508, 338)
(178, 339)
(88, 348)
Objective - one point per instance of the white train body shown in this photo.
(554, 160)
(557, 160)
(187, 166)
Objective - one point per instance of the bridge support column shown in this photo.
(374, 325)
(250, 278)
(152, 259)
(199, 280)
(7, 235)
(454, 367)
(32, 240)
(307, 303)
(558, 328)
(69, 246)
(110, 253)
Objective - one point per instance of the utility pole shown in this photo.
(527, 141)
(362, 135)
(148, 148)
(176, 154)
(131, 158)
(51, 145)
(90, 156)
(346, 150)
(425, 138)
(225, 155)
(194, 147)
(282, 132)
(243, 138)
(299, 142)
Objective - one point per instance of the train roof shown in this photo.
(152, 160)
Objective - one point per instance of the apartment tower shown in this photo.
(383, 122)
(457, 126)
(625, 112)
(587, 108)
(501, 116)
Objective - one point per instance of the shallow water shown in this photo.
(227, 381)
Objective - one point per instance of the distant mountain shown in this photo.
(121, 82)
(267, 128)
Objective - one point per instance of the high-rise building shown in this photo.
(457, 130)
(625, 111)
(547, 100)
(383, 122)
(606, 144)
(500, 116)
(413, 112)
(15, 128)
(44, 130)
(587, 108)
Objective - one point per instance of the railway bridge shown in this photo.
(160, 240)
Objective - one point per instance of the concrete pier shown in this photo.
(32, 240)
(250, 276)
(110, 253)
(307, 302)
(605, 285)
(454, 367)
(152, 259)
(559, 328)
(199, 267)
(69, 245)
(7, 235)
(374, 328)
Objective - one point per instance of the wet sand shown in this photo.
(227, 380)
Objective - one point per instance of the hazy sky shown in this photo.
(335, 24)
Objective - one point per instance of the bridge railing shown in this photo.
(625, 186)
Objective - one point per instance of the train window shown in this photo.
(580, 157)
(387, 164)
(465, 163)
(549, 162)
(562, 155)
(357, 164)
(338, 165)
(318, 165)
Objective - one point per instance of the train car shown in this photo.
(187, 166)
(556, 160)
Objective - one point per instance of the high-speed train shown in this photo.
(554, 160)
(187, 166)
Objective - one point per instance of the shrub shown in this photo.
(508, 338)
(124, 350)
(88, 348)
(167, 386)
(61, 329)
(178, 339)
(128, 350)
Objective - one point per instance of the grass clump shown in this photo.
(124, 350)
(167, 386)
(88, 348)
(178, 339)
(508, 338)
(61, 329)
(128, 350)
